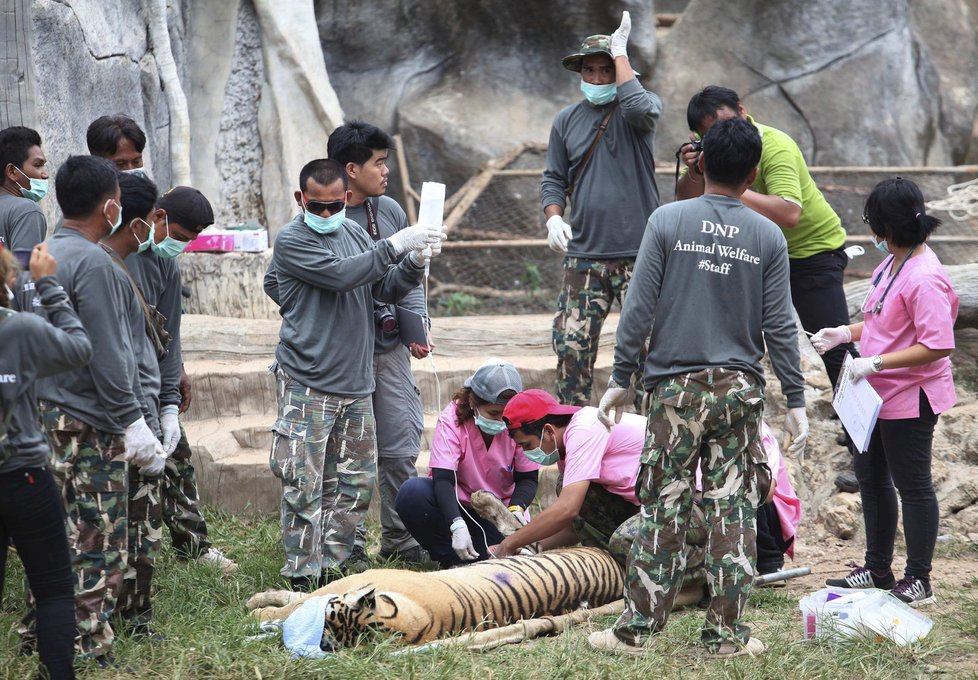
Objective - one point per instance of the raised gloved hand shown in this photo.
(170, 424)
(796, 427)
(558, 234)
(619, 39)
(862, 367)
(462, 540)
(615, 397)
(152, 466)
(141, 443)
(829, 338)
(519, 513)
(415, 238)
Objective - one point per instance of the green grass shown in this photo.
(202, 617)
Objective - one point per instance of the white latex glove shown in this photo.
(518, 513)
(796, 427)
(462, 541)
(170, 424)
(558, 234)
(862, 367)
(153, 467)
(619, 39)
(828, 338)
(141, 443)
(615, 397)
(415, 238)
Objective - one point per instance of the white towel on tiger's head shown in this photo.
(302, 631)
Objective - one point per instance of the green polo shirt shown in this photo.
(783, 172)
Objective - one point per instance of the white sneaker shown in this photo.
(216, 558)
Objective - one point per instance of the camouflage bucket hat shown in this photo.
(594, 44)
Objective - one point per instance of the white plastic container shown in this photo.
(829, 613)
(883, 615)
(431, 213)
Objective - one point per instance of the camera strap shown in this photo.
(371, 206)
(602, 127)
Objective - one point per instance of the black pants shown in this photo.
(771, 545)
(32, 514)
(899, 454)
(418, 508)
(820, 301)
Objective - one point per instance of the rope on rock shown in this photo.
(961, 201)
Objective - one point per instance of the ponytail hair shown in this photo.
(895, 210)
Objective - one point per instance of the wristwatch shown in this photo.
(877, 363)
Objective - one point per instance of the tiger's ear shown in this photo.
(361, 598)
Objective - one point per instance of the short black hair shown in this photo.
(356, 141)
(535, 429)
(895, 210)
(83, 184)
(325, 171)
(705, 104)
(731, 150)
(15, 143)
(105, 132)
(139, 194)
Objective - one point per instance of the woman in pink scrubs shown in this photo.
(470, 451)
(906, 337)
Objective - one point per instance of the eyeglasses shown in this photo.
(330, 207)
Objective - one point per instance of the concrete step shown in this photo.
(241, 481)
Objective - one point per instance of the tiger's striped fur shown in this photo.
(426, 606)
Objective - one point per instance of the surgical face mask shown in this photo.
(38, 190)
(143, 245)
(169, 247)
(541, 457)
(599, 94)
(881, 245)
(490, 427)
(324, 225)
(118, 220)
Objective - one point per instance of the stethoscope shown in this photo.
(879, 303)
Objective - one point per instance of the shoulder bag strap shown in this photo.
(587, 156)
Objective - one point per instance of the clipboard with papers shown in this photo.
(412, 327)
(858, 406)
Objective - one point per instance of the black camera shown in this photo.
(385, 319)
(696, 145)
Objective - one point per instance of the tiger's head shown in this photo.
(360, 612)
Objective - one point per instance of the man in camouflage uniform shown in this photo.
(599, 160)
(93, 416)
(712, 290)
(324, 275)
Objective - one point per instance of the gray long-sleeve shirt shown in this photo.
(390, 219)
(616, 192)
(105, 393)
(324, 285)
(31, 348)
(159, 279)
(712, 296)
(22, 224)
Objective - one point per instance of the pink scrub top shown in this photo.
(920, 307)
(462, 448)
(786, 503)
(610, 459)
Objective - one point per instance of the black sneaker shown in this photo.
(303, 584)
(847, 482)
(415, 555)
(914, 591)
(356, 562)
(861, 577)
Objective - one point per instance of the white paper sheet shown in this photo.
(858, 405)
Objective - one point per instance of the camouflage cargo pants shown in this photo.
(324, 451)
(601, 513)
(621, 541)
(587, 291)
(181, 503)
(135, 606)
(709, 419)
(92, 474)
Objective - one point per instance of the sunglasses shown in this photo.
(329, 207)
